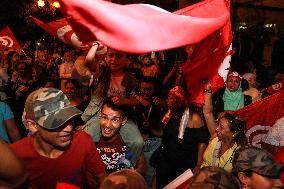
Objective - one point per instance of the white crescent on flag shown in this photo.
(62, 30)
(262, 117)
(6, 41)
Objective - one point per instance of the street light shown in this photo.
(41, 3)
(56, 4)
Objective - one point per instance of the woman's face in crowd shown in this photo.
(223, 129)
(15, 57)
(70, 90)
(116, 60)
(41, 56)
(172, 102)
(34, 74)
(146, 61)
(233, 83)
(21, 69)
(67, 57)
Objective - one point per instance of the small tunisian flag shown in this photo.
(141, 28)
(62, 30)
(262, 115)
(209, 60)
(8, 40)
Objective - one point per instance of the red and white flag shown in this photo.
(262, 115)
(62, 30)
(209, 60)
(141, 28)
(182, 181)
(8, 40)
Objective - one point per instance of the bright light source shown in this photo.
(41, 3)
(56, 4)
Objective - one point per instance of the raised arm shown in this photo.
(90, 62)
(208, 111)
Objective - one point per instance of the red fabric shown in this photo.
(276, 87)
(209, 60)
(62, 30)
(8, 40)
(45, 173)
(261, 116)
(139, 28)
(66, 186)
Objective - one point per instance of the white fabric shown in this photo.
(276, 135)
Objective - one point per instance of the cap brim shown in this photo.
(57, 119)
(272, 170)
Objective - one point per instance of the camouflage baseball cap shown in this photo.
(213, 177)
(257, 160)
(50, 108)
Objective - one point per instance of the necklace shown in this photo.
(229, 159)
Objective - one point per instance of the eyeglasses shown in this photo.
(114, 120)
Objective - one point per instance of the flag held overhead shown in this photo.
(8, 40)
(62, 30)
(140, 28)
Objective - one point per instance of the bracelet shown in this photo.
(208, 91)
(95, 43)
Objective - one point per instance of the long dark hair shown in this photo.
(237, 127)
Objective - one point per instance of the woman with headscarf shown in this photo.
(231, 97)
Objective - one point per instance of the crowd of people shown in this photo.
(74, 117)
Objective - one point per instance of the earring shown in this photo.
(233, 135)
(246, 186)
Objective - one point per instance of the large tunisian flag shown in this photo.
(8, 40)
(262, 115)
(209, 60)
(62, 30)
(140, 28)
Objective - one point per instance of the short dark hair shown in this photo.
(148, 79)
(74, 82)
(109, 102)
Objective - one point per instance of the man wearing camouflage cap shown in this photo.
(56, 154)
(256, 168)
(213, 177)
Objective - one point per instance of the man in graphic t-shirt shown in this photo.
(113, 150)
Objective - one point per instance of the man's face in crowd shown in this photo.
(58, 138)
(233, 83)
(110, 122)
(116, 60)
(147, 90)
